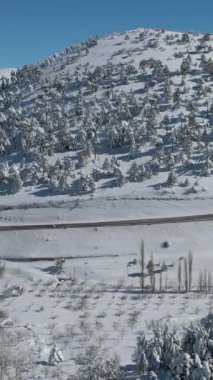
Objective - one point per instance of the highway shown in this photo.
(108, 223)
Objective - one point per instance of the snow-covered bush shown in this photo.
(59, 265)
(3, 315)
(16, 354)
(138, 172)
(58, 183)
(184, 354)
(2, 268)
(110, 166)
(120, 178)
(55, 355)
(87, 184)
(109, 169)
(94, 364)
(172, 179)
(14, 181)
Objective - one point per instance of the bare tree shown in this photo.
(190, 263)
(153, 282)
(200, 281)
(142, 265)
(160, 281)
(205, 280)
(150, 267)
(179, 275)
(163, 269)
(133, 319)
(166, 282)
(209, 281)
(186, 281)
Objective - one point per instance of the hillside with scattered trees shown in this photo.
(133, 110)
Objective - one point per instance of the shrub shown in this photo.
(185, 354)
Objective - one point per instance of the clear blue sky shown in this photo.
(33, 29)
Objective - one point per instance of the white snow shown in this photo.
(92, 299)
(6, 72)
(102, 296)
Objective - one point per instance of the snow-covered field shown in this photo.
(109, 241)
(100, 209)
(96, 297)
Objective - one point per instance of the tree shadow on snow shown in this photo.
(130, 371)
(111, 183)
(42, 191)
(42, 362)
(53, 269)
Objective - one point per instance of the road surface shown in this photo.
(108, 223)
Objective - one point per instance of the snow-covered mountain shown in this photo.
(127, 114)
(115, 128)
(6, 72)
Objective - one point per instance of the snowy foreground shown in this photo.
(93, 300)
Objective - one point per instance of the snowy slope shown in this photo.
(126, 97)
(141, 100)
(6, 72)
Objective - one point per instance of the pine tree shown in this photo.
(172, 179)
(120, 178)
